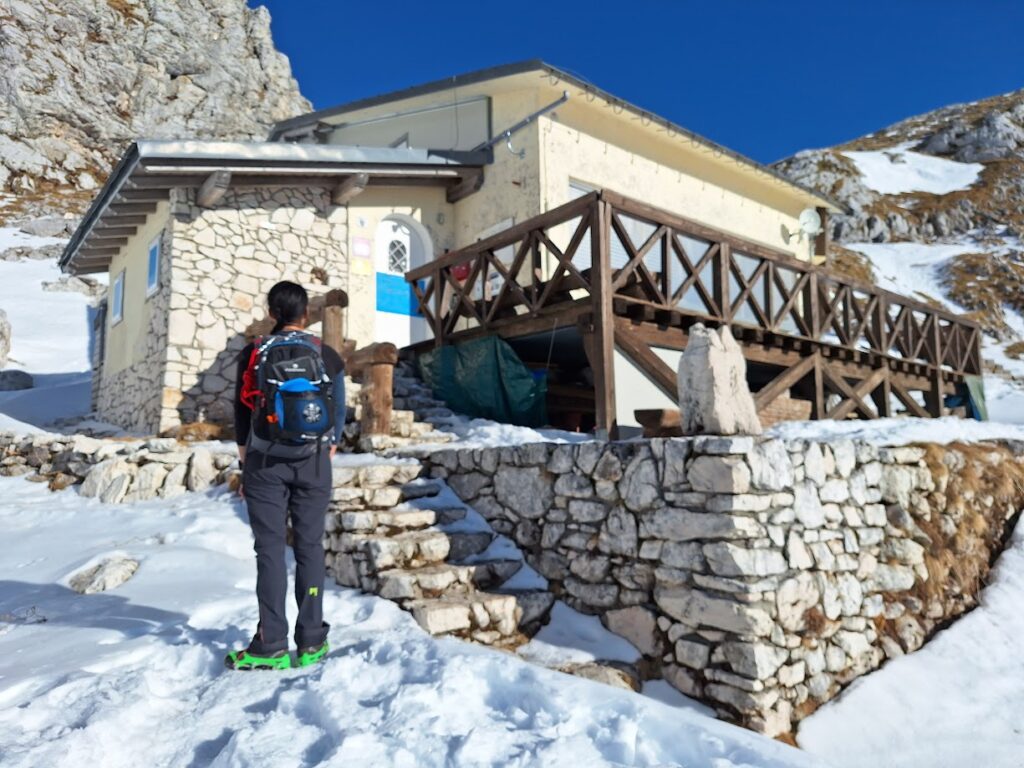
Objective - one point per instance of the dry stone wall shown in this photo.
(225, 259)
(116, 471)
(758, 575)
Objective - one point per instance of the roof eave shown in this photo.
(533, 65)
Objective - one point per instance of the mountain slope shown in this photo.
(80, 80)
(937, 211)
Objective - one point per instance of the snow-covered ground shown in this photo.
(134, 675)
(50, 337)
(897, 170)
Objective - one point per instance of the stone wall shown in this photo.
(116, 471)
(757, 575)
(132, 397)
(225, 259)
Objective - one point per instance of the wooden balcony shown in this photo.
(629, 276)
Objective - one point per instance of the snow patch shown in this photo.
(897, 171)
(572, 637)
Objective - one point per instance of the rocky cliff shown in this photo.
(79, 80)
(987, 133)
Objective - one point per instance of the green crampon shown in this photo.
(309, 656)
(243, 660)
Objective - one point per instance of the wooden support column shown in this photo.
(882, 396)
(213, 189)
(349, 188)
(375, 365)
(602, 349)
(934, 396)
(335, 303)
(818, 401)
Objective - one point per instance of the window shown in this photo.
(117, 300)
(398, 257)
(153, 275)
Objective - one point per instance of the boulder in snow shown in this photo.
(11, 381)
(713, 394)
(107, 575)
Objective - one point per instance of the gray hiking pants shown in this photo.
(275, 489)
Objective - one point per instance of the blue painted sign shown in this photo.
(395, 295)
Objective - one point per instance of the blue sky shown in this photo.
(765, 78)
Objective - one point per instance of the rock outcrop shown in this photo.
(78, 81)
(713, 394)
(989, 131)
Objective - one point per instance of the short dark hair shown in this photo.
(287, 302)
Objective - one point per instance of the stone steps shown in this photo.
(387, 534)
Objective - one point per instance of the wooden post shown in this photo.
(334, 319)
(818, 403)
(934, 396)
(602, 357)
(375, 365)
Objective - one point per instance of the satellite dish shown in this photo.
(810, 222)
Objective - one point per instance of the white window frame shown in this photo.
(152, 269)
(117, 299)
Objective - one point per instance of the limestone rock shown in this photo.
(125, 70)
(794, 598)
(728, 559)
(201, 471)
(103, 475)
(108, 574)
(698, 609)
(714, 397)
(637, 624)
(526, 490)
(720, 474)
(11, 381)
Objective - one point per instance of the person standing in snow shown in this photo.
(289, 417)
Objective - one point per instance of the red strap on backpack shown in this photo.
(250, 391)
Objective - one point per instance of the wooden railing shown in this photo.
(677, 272)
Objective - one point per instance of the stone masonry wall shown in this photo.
(225, 259)
(131, 398)
(757, 575)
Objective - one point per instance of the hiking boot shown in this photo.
(246, 660)
(312, 654)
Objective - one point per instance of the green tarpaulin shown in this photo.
(484, 378)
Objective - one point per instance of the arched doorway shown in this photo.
(401, 244)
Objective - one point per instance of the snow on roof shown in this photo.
(897, 171)
(284, 152)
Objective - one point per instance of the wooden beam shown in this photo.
(213, 189)
(155, 195)
(649, 363)
(105, 232)
(782, 383)
(853, 396)
(89, 251)
(349, 188)
(467, 185)
(118, 209)
(125, 221)
(105, 242)
(903, 395)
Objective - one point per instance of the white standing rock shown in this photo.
(5, 338)
(713, 394)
